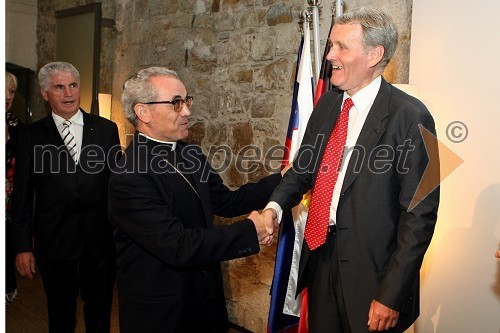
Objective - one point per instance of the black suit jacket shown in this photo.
(380, 243)
(70, 201)
(169, 277)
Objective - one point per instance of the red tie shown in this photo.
(319, 212)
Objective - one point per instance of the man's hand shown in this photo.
(25, 264)
(271, 220)
(264, 232)
(381, 318)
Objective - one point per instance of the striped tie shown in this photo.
(69, 140)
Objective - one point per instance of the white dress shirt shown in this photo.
(76, 128)
(363, 101)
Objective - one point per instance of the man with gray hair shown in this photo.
(162, 198)
(60, 204)
(365, 236)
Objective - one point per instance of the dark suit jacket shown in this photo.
(70, 206)
(380, 243)
(169, 277)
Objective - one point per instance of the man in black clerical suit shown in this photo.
(62, 167)
(162, 197)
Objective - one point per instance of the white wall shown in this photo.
(455, 62)
(20, 32)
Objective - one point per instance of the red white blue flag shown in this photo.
(285, 309)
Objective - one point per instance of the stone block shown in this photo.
(276, 75)
(234, 178)
(263, 106)
(196, 133)
(278, 14)
(223, 23)
(216, 134)
(242, 135)
(263, 47)
(241, 75)
(216, 6)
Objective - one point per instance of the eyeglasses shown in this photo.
(177, 103)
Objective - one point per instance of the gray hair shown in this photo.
(138, 89)
(378, 29)
(10, 79)
(54, 67)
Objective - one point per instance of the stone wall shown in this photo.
(237, 58)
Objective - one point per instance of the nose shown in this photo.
(67, 91)
(331, 54)
(185, 110)
(8, 95)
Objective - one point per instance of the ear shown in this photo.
(44, 95)
(375, 55)
(142, 112)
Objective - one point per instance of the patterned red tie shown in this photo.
(319, 212)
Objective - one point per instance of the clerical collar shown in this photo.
(173, 144)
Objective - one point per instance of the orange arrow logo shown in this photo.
(442, 162)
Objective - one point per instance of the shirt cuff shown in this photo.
(277, 208)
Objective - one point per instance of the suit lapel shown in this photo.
(370, 134)
(54, 138)
(53, 134)
(88, 134)
(325, 129)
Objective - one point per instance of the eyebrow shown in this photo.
(178, 97)
(62, 84)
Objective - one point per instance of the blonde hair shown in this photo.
(10, 80)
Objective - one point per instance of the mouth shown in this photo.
(337, 68)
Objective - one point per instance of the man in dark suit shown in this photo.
(364, 240)
(162, 198)
(60, 204)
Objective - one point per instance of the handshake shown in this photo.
(266, 225)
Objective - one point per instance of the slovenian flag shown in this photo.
(285, 309)
(323, 85)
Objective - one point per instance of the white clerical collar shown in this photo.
(173, 144)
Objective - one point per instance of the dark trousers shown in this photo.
(10, 258)
(91, 276)
(326, 306)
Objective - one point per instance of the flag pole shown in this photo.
(339, 10)
(305, 19)
(315, 22)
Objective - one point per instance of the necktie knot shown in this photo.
(348, 104)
